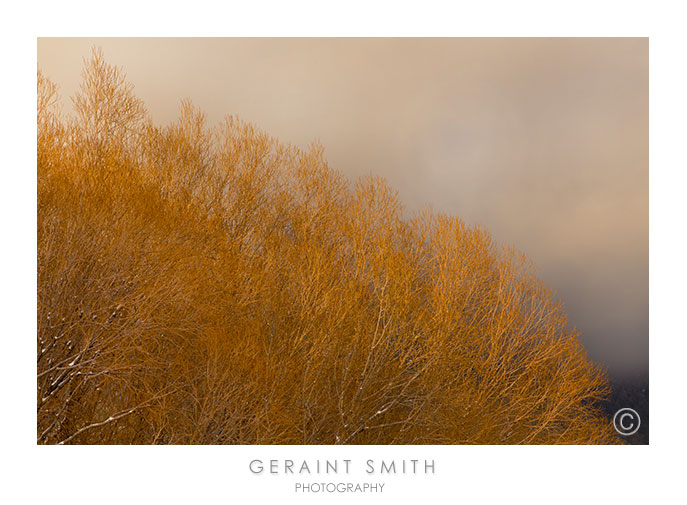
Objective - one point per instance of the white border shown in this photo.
(464, 474)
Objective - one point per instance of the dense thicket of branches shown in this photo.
(211, 285)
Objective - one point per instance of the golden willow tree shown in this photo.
(203, 285)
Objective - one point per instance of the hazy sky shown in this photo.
(545, 142)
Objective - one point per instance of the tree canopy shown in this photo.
(210, 285)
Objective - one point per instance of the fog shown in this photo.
(542, 141)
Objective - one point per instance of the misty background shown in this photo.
(544, 142)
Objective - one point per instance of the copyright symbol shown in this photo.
(626, 422)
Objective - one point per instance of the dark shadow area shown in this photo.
(632, 393)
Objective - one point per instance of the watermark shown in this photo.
(341, 475)
(626, 422)
(339, 487)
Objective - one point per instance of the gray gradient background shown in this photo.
(545, 142)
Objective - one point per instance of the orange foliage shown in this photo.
(205, 285)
